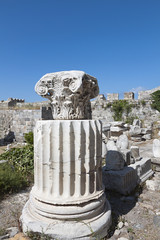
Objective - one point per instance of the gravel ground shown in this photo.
(140, 212)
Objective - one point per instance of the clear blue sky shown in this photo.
(116, 41)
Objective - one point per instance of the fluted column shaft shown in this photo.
(67, 161)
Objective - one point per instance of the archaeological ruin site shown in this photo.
(96, 162)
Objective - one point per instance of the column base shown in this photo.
(81, 221)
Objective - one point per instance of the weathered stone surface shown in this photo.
(137, 122)
(135, 130)
(123, 181)
(143, 169)
(156, 148)
(111, 145)
(69, 92)
(147, 137)
(126, 153)
(114, 160)
(67, 192)
(122, 142)
(135, 153)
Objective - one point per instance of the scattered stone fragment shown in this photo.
(122, 142)
(120, 225)
(135, 153)
(114, 160)
(6, 236)
(12, 231)
(122, 238)
(156, 148)
(117, 232)
(126, 224)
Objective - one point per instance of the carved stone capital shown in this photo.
(69, 92)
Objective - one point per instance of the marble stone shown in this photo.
(135, 153)
(67, 192)
(126, 153)
(111, 145)
(69, 92)
(114, 160)
(125, 180)
(122, 142)
(143, 169)
(67, 200)
(156, 148)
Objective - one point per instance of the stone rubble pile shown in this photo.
(137, 133)
(124, 168)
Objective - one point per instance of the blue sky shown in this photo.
(116, 41)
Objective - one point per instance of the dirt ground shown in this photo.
(134, 217)
(2, 149)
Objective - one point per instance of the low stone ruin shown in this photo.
(124, 168)
(138, 133)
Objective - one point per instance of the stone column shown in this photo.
(67, 200)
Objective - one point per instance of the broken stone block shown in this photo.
(126, 155)
(137, 122)
(116, 131)
(111, 145)
(143, 169)
(123, 181)
(122, 142)
(137, 138)
(135, 131)
(156, 164)
(147, 137)
(135, 153)
(114, 160)
(156, 148)
(146, 131)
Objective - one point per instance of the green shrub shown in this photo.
(17, 173)
(109, 105)
(29, 137)
(119, 107)
(21, 158)
(156, 100)
(130, 119)
(143, 102)
(11, 179)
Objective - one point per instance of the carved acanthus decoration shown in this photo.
(69, 92)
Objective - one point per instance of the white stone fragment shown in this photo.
(111, 145)
(117, 232)
(135, 130)
(120, 225)
(122, 142)
(137, 122)
(156, 148)
(135, 153)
